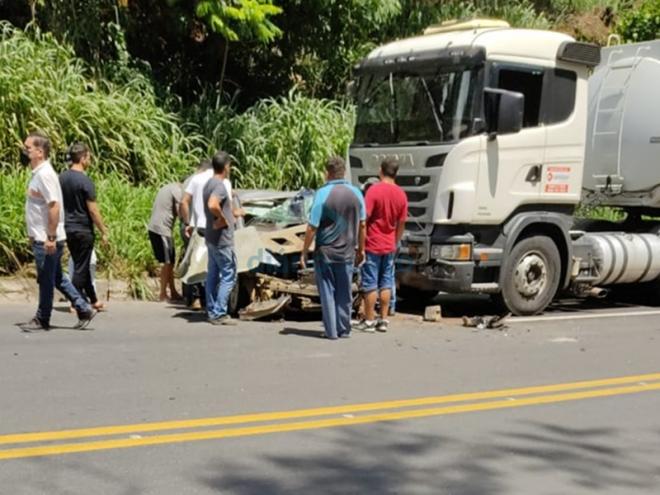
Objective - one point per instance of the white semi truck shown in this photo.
(500, 133)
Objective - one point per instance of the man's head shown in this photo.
(79, 154)
(335, 168)
(389, 168)
(221, 164)
(36, 148)
(204, 165)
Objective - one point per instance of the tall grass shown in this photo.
(126, 209)
(284, 143)
(44, 86)
(14, 246)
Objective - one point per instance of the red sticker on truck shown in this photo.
(557, 178)
(556, 188)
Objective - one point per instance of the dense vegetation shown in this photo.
(154, 85)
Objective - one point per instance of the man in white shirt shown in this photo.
(44, 216)
(193, 195)
(195, 220)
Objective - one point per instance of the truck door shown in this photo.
(511, 166)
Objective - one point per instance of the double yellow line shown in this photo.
(136, 435)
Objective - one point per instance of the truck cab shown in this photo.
(488, 125)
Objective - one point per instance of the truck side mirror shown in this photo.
(503, 111)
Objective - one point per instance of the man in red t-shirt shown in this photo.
(387, 211)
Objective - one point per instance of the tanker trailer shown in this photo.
(622, 169)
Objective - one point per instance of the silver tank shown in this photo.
(625, 258)
(622, 157)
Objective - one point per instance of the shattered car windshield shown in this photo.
(293, 211)
(415, 107)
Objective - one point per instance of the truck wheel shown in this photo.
(530, 276)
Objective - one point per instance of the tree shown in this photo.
(236, 20)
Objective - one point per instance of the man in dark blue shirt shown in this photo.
(337, 225)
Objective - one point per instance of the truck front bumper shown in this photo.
(438, 275)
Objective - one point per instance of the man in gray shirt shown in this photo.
(219, 236)
(163, 214)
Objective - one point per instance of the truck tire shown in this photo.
(529, 276)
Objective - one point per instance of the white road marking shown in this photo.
(590, 316)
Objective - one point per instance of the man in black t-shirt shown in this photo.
(81, 213)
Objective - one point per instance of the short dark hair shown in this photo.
(389, 167)
(220, 160)
(205, 164)
(41, 141)
(336, 167)
(77, 151)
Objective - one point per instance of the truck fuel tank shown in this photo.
(621, 258)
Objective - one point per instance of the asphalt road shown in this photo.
(155, 401)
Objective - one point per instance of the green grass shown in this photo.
(138, 145)
(284, 143)
(126, 209)
(44, 86)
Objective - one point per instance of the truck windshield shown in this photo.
(414, 107)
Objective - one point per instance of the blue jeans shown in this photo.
(334, 281)
(220, 280)
(50, 277)
(378, 272)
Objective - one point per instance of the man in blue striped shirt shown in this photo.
(337, 225)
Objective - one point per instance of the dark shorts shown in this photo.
(163, 247)
(378, 272)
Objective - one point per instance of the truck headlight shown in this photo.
(454, 252)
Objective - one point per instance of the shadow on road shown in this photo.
(386, 459)
(302, 333)
(191, 316)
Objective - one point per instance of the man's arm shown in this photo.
(215, 209)
(53, 220)
(362, 239)
(400, 228)
(184, 208)
(95, 213)
(310, 233)
(184, 212)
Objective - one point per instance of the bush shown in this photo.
(126, 209)
(284, 143)
(641, 24)
(44, 86)
(14, 247)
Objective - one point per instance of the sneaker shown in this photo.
(228, 321)
(85, 319)
(345, 335)
(34, 325)
(366, 326)
(382, 326)
(225, 320)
